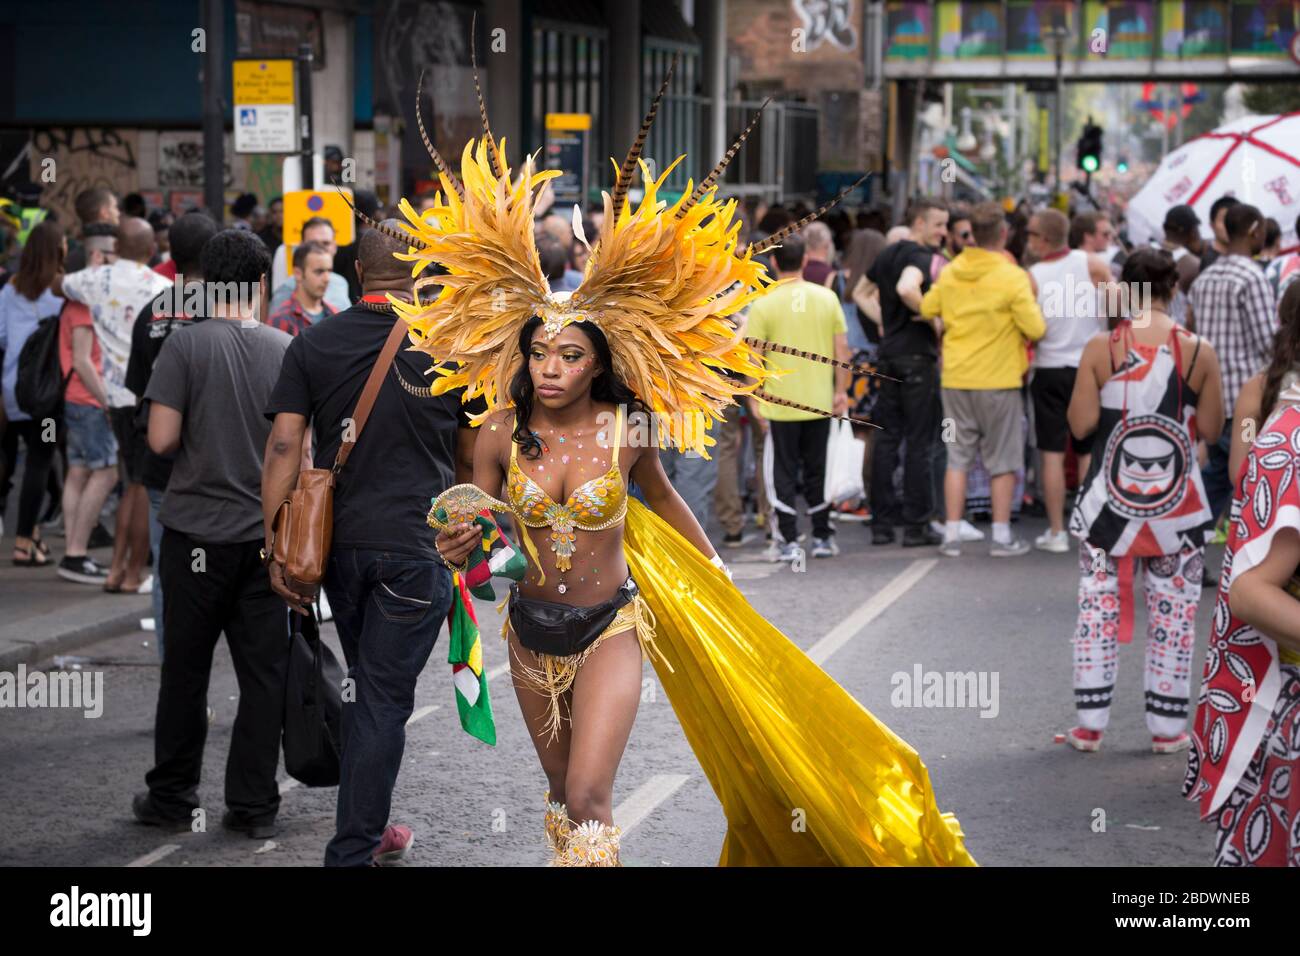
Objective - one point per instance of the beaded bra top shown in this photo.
(594, 505)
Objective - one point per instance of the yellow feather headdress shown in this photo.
(660, 284)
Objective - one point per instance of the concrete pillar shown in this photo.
(711, 26)
(332, 89)
(502, 67)
(626, 106)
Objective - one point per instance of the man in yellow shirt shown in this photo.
(987, 314)
(804, 316)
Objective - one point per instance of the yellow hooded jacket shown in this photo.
(989, 313)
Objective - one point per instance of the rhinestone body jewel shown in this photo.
(562, 587)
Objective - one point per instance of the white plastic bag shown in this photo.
(844, 454)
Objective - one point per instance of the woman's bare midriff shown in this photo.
(599, 568)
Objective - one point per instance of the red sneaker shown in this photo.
(394, 844)
(1171, 745)
(845, 512)
(1080, 738)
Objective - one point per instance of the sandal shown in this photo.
(120, 589)
(1080, 738)
(33, 556)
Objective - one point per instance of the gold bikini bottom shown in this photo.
(553, 675)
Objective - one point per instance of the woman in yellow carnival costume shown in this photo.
(648, 332)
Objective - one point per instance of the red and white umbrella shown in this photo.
(1255, 158)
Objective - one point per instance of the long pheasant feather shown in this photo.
(707, 182)
(775, 239)
(498, 167)
(433, 153)
(379, 227)
(814, 357)
(809, 408)
(633, 154)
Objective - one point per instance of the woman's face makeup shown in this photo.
(561, 368)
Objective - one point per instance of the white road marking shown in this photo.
(422, 713)
(869, 610)
(284, 787)
(645, 798)
(167, 849)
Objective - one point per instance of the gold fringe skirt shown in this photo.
(553, 676)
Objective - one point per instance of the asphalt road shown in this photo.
(1022, 799)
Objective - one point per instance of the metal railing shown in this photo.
(779, 159)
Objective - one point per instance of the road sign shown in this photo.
(567, 136)
(264, 105)
(302, 204)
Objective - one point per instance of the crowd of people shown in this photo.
(976, 363)
(990, 362)
(1158, 381)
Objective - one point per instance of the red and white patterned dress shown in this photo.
(1245, 754)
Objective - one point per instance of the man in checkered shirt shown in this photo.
(1231, 303)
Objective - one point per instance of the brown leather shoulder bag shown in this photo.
(304, 522)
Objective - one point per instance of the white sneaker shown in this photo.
(967, 532)
(1012, 549)
(1056, 542)
(825, 547)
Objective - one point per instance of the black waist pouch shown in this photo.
(562, 630)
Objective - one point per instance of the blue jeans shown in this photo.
(388, 609)
(155, 545)
(90, 437)
(1218, 483)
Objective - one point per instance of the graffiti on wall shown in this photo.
(83, 158)
(180, 160)
(828, 20)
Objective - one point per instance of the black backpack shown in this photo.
(39, 388)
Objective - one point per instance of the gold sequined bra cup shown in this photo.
(594, 505)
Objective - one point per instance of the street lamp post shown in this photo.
(1059, 34)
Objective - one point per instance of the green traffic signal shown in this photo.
(1088, 149)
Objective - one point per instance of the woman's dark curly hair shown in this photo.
(605, 387)
(1286, 348)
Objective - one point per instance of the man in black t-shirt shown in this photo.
(163, 316)
(389, 590)
(908, 409)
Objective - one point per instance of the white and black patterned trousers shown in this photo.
(1172, 584)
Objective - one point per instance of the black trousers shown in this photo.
(796, 464)
(907, 411)
(213, 588)
(36, 471)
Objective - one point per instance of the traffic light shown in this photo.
(1089, 148)
(1122, 165)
